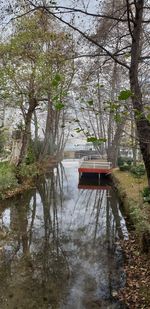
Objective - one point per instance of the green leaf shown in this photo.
(78, 130)
(90, 102)
(138, 114)
(57, 77)
(56, 80)
(125, 94)
(112, 106)
(118, 118)
(55, 98)
(99, 85)
(94, 139)
(59, 106)
(125, 113)
(64, 93)
(55, 83)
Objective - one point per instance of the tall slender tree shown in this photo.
(132, 18)
(33, 65)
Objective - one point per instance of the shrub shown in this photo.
(124, 167)
(138, 170)
(31, 158)
(7, 176)
(3, 138)
(26, 171)
(146, 194)
(123, 160)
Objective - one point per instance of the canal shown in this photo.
(59, 245)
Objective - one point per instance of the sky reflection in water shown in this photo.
(58, 245)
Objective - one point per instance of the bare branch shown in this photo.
(57, 7)
(117, 54)
(84, 35)
(128, 15)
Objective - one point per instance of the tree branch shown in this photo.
(87, 38)
(128, 15)
(57, 7)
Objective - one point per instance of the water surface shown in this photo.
(59, 245)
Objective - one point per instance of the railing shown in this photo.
(94, 164)
(103, 165)
(91, 154)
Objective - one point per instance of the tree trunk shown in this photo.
(36, 137)
(110, 121)
(49, 134)
(27, 131)
(114, 148)
(114, 139)
(143, 125)
(134, 139)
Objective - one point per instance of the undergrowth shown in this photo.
(12, 177)
(7, 176)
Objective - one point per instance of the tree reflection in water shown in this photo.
(34, 266)
(58, 250)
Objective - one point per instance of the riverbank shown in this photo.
(136, 293)
(14, 181)
(130, 191)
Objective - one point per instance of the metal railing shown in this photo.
(94, 164)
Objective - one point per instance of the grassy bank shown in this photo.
(14, 181)
(136, 293)
(130, 190)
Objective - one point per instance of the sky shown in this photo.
(82, 21)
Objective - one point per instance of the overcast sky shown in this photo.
(80, 20)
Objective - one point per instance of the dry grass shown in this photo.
(132, 185)
(130, 190)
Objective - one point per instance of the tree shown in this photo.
(99, 115)
(142, 123)
(131, 18)
(32, 62)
